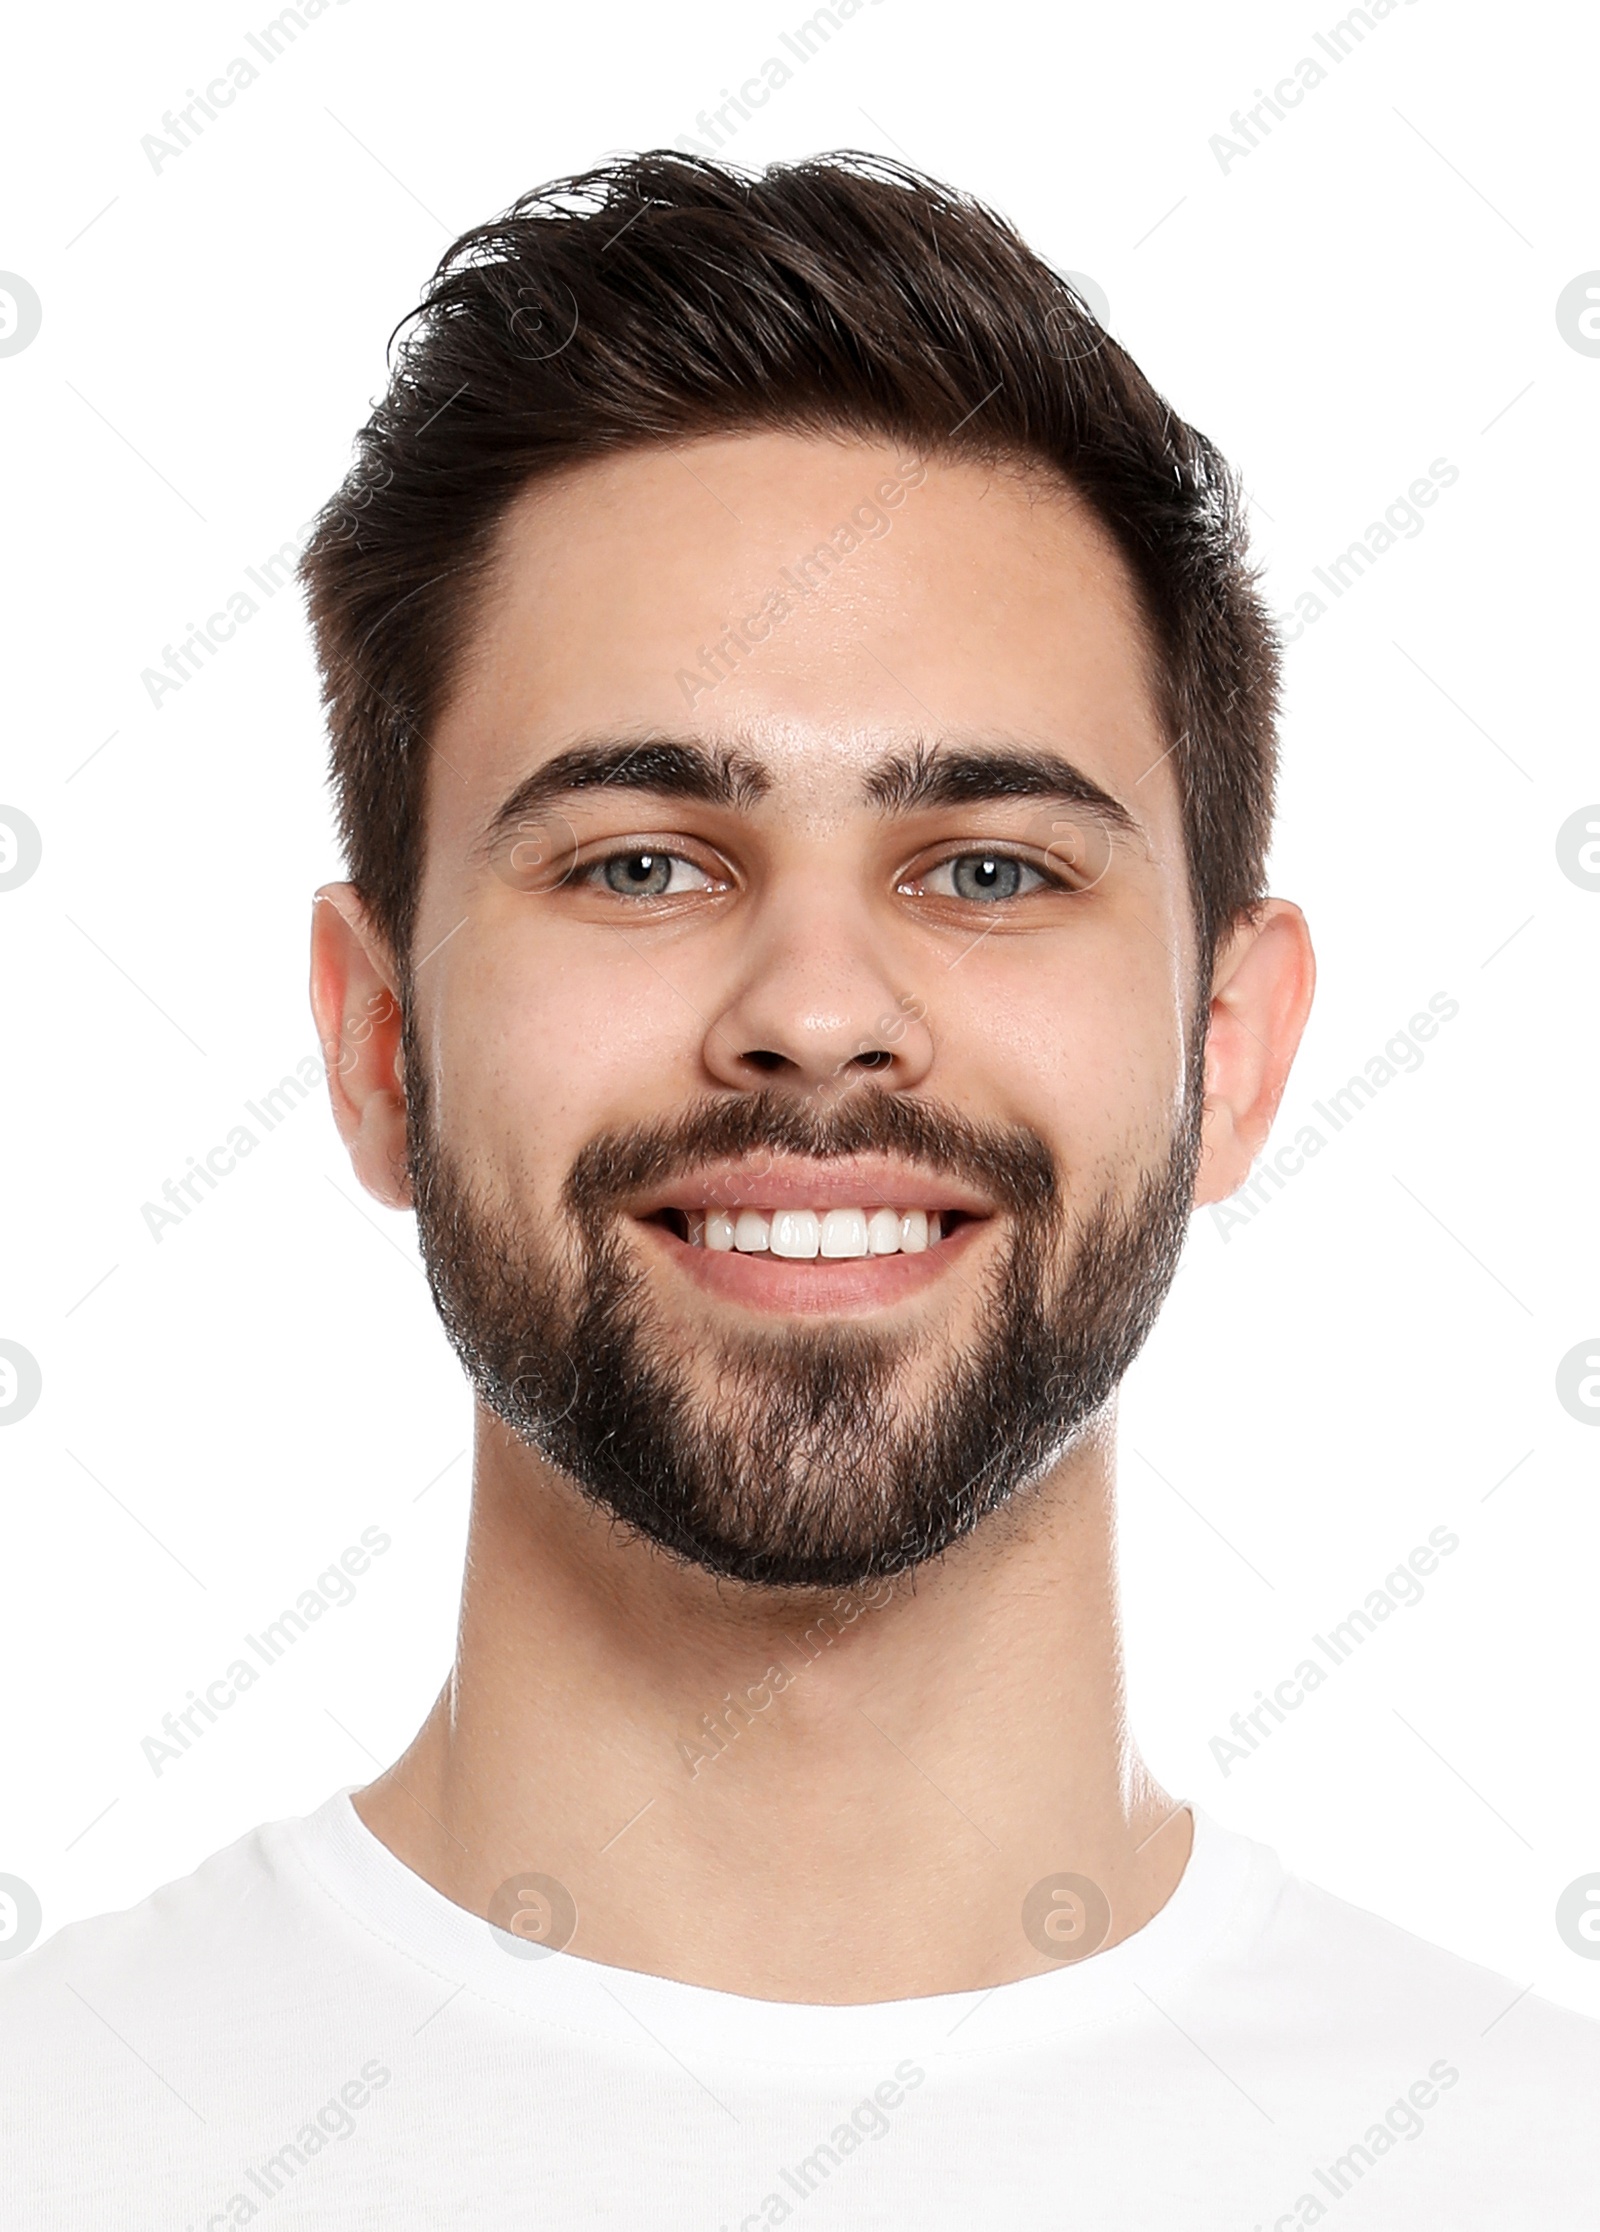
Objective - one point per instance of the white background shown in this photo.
(1374, 1355)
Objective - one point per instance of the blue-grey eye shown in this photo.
(650, 875)
(645, 875)
(988, 876)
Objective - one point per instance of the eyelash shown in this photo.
(592, 873)
(1046, 880)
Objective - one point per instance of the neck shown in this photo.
(830, 1798)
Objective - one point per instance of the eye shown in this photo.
(983, 876)
(647, 875)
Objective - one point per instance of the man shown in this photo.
(803, 727)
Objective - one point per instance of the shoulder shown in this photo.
(1344, 1983)
(195, 1931)
(147, 2054)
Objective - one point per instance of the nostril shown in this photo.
(878, 1058)
(762, 1058)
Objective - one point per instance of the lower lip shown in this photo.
(818, 1287)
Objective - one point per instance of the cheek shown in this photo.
(536, 1047)
(1087, 1047)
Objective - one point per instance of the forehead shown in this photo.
(821, 601)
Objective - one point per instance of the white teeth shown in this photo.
(799, 1235)
(883, 1232)
(795, 1232)
(844, 1232)
(751, 1232)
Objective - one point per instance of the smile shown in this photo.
(851, 1236)
(799, 1235)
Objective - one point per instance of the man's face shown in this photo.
(873, 921)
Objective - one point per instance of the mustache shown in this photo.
(1012, 1164)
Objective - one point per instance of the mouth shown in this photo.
(838, 1235)
(814, 1238)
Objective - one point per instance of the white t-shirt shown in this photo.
(306, 2032)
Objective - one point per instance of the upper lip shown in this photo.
(796, 1182)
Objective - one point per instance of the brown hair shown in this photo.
(664, 296)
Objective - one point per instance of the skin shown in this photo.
(872, 1830)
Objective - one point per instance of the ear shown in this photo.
(355, 999)
(1261, 992)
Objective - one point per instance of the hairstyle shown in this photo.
(662, 296)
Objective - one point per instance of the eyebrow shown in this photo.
(904, 782)
(951, 775)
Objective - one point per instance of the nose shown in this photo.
(817, 1003)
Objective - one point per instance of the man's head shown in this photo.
(803, 727)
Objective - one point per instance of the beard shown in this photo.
(807, 1465)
